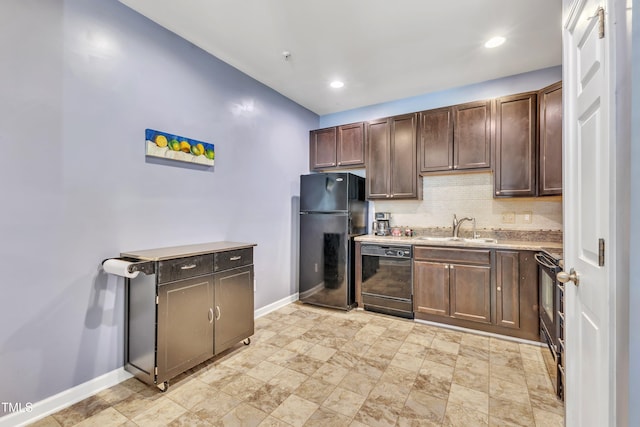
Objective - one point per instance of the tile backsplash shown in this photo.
(471, 195)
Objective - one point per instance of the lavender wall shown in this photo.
(80, 81)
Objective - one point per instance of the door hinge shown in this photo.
(600, 13)
(601, 252)
(157, 299)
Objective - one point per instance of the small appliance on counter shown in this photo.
(381, 225)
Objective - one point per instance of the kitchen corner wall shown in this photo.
(471, 195)
(80, 82)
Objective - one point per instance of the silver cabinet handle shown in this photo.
(210, 315)
(235, 258)
(188, 267)
(218, 313)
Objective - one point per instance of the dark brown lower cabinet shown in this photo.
(434, 298)
(470, 292)
(484, 289)
(508, 289)
(452, 282)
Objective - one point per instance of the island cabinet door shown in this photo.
(185, 325)
(471, 292)
(431, 289)
(233, 307)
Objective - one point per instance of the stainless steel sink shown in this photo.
(482, 240)
(441, 239)
(458, 239)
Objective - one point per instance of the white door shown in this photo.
(587, 215)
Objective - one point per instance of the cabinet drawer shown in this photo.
(183, 268)
(453, 255)
(232, 259)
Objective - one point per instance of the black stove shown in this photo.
(551, 303)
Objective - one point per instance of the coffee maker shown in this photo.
(381, 225)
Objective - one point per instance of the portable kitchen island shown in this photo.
(189, 304)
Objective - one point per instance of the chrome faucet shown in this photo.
(458, 222)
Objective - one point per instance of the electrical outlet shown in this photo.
(527, 217)
(508, 217)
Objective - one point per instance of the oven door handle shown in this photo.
(543, 261)
(547, 338)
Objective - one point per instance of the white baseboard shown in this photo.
(274, 306)
(64, 399)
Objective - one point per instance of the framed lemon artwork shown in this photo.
(174, 147)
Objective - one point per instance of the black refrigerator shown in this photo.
(333, 211)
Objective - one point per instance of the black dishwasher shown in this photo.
(387, 283)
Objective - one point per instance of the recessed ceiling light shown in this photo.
(494, 42)
(336, 84)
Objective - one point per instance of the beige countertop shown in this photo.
(161, 254)
(500, 244)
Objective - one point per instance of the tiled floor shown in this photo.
(308, 366)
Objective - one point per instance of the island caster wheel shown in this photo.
(165, 387)
(247, 341)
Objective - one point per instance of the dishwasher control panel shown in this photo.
(395, 251)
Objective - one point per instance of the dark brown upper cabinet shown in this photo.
(391, 158)
(351, 145)
(515, 145)
(456, 138)
(550, 140)
(436, 140)
(472, 135)
(322, 148)
(337, 147)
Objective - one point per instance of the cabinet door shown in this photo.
(550, 140)
(431, 288)
(351, 145)
(515, 146)
(322, 148)
(233, 307)
(404, 177)
(185, 325)
(472, 135)
(436, 140)
(508, 289)
(470, 292)
(378, 159)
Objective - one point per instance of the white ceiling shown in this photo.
(383, 50)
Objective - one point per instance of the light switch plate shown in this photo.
(508, 217)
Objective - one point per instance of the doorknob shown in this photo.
(564, 277)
